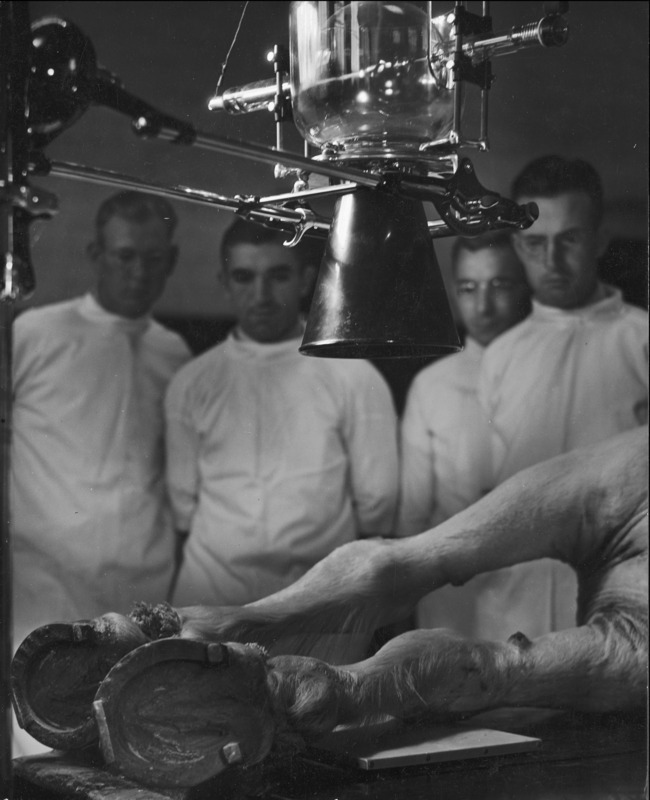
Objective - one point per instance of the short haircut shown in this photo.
(550, 176)
(498, 240)
(135, 207)
(242, 231)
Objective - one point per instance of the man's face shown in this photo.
(492, 292)
(266, 285)
(133, 261)
(560, 250)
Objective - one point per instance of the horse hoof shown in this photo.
(176, 712)
(56, 672)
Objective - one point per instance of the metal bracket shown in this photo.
(468, 24)
(465, 206)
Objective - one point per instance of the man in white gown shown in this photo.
(445, 437)
(274, 458)
(573, 373)
(92, 529)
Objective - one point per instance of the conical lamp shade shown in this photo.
(379, 292)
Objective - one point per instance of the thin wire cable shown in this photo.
(224, 64)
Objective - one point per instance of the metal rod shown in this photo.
(6, 343)
(259, 153)
(324, 191)
(15, 44)
(483, 133)
(259, 209)
(485, 91)
(455, 136)
(6, 220)
(280, 100)
(246, 99)
(63, 169)
(66, 169)
(438, 229)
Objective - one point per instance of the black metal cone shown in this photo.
(379, 292)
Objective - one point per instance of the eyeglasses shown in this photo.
(501, 286)
(568, 242)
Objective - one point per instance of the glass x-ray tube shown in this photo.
(256, 96)
(361, 82)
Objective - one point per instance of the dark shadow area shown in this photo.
(625, 265)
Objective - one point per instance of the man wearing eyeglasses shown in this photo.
(574, 373)
(91, 528)
(446, 457)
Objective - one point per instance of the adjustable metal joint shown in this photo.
(282, 101)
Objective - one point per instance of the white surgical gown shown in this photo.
(91, 527)
(559, 380)
(274, 459)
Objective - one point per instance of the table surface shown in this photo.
(594, 757)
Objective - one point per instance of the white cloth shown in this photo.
(563, 379)
(446, 466)
(91, 526)
(274, 459)
(558, 380)
(444, 442)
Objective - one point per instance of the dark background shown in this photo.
(587, 99)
